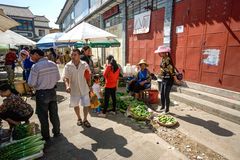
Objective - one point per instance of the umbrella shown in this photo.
(10, 37)
(85, 31)
(50, 41)
(6, 22)
(99, 43)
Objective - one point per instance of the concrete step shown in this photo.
(213, 90)
(216, 133)
(210, 107)
(227, 102)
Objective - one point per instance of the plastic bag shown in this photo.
(94, 100)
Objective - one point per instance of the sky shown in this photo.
(49, 8)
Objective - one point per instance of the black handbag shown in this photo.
(179, 76)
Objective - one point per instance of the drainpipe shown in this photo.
(167, 27)
(124, 34)
(103, 51)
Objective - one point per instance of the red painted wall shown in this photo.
(208, 24)
(142, 46)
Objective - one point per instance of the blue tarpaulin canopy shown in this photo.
(50, 41)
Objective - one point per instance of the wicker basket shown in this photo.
(167, 125)
(138, 117)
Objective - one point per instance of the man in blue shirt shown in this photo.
(43, 77)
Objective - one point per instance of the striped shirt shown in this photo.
(44, 75)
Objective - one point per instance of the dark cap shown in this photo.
(38, 51)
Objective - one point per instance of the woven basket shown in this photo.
(137, 117)
(167, 125)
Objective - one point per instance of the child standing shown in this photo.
(97, 90)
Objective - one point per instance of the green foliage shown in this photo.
(22, 131)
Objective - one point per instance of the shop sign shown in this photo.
(111, 12)
(142, 23)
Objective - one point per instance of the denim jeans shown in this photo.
(166, 86)
(46, 102)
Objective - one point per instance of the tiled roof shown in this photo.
(41, 18)
(17, 11)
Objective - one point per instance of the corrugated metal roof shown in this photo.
(17, 11)
(41, 18)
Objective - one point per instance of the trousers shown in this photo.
(46, 104)
(165, 93)
(109, 92)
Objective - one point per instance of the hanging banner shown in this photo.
(142, 23)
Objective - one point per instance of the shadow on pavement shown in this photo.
(61, 149)
(120, 118)
(212, 126)
(107, 139)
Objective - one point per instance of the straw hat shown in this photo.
(162, 49)
(143, 61)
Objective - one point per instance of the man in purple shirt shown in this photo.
(43, 77)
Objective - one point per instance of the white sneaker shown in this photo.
(166, 112)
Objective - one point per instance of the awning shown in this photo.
(99, 44)
(10, 37)
(6, 22)
(50, 41)
(85, 31)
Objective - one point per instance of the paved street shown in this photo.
(120, 137)
(111, 138)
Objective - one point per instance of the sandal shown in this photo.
(79, 122)
(87, 124)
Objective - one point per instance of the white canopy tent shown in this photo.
(6, 22)
(50, 41)
(85, 31)
(10, 37)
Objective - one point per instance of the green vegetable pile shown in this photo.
(122, 84)
(123, 101)
(167, 119)
(138, 109)
(22, 131)
(22, 148)
(140, 112)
